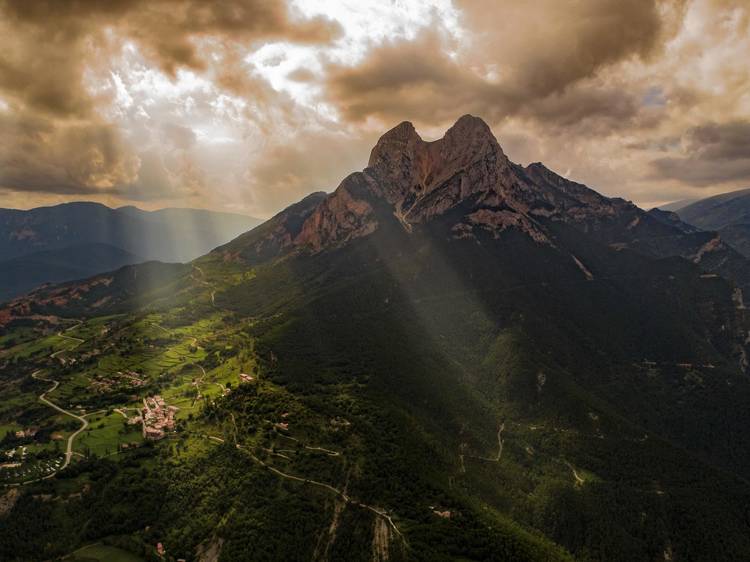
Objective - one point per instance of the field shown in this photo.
(105, 434)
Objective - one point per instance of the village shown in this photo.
(157, 418)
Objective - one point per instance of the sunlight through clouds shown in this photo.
(608, 91)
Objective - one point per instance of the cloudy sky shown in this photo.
(248, 105)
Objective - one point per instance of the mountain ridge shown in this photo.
(466, 173)
(718, 211)
(563, 376)
(166, 235)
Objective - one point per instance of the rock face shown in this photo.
(274, 236)
(345, 215)
(412, 172)
(415, 181)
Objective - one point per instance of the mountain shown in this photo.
(719, 211)
(170, 235)
(450, 357)
(77, 240)
(677, 205)
(728, 213)
(673, 219)
(467, 178)
(20, 275)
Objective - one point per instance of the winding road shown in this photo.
(43, 398)
(496, 458)
(500, 430)
(343, 495)
(71, 439)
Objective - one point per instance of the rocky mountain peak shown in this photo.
(397, 152)
(410, 168)
(466, 140)
(464, 178)
(399, 140)
(469, 134)
(415, 180)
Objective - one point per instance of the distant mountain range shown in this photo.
(75, 240)
(677, 205)
(719, 211)
(727, 213)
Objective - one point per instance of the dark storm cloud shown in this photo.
(712, 153)
(46, 44)
(516, 63)
(542, 46)
(79, 158)
(168, 29)
(410, 79)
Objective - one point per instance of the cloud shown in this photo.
(41, 155)
(525, 59)
(543, 46)
(178, 136)
(284, 172)
(710, 154)
(47, 45)
(163, 177)
(53, 54)
(42, 69)
(170, 31)
(409, 79)
(254, 103)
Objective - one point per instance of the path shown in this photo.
(579, 481)
(198, 382)
(206, 283)
(74, 326)
(123, 412)
(500, 441)
(342, 494)
(497, 457)
(308, 447)
(71, 439)
(78, 341)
